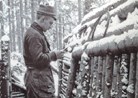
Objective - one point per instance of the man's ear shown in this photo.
(42, 19)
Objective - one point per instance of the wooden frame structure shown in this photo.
(104, 64)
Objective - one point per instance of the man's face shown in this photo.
(47, 23)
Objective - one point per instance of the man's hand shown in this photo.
(59, 54)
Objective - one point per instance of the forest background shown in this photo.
(17, 15)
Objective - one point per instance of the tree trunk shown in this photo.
(26, 13)
(13, 43)
(9, 22)
(10, 82)
(79, 10)
(22, 26)
(18, 30)
(32, 10)
(87, 6)
(2, 21)
(60, 34)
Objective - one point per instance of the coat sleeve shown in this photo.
(36, 52)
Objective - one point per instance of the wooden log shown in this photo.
(91, 80)
(95, 74)
(119, 83)
(99, 11)
(114, 30)
(99, 79)
(136, 85)
(108, 75)
(124, 8)
(114, 80)
(103, 75)
(132, 74)
(5, 75)
(71, 79)
(124, 43)
(117, 29)
(59, 78)
(124, 73)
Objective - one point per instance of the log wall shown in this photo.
(104, 65)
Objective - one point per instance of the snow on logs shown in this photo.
(124, 43)
(122, 10)
(121, 38)
(103, 9)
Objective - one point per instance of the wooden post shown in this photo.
(108, 76)
(71, 79)
(119, 83)
(136, 85)
(114, 80)
(99, 79)
(4, 83)
(95, 74)
(103, 77)
(124, 74)
(91, 80)
(132, 71)
(59, 78)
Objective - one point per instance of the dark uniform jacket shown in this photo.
(37, 57)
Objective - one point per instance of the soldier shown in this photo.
(37, 54)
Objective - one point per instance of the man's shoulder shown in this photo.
(31, 32)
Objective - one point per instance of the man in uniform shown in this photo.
(37, 55)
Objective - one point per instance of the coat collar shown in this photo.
(37, 27)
